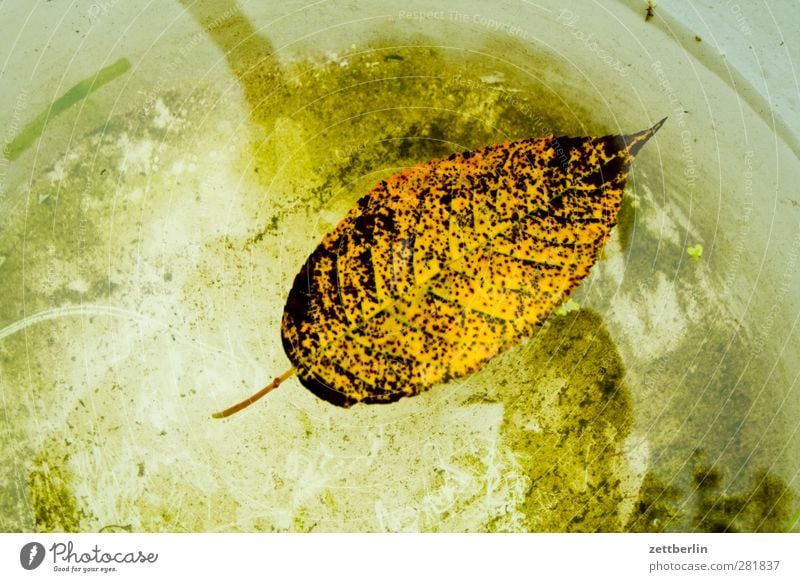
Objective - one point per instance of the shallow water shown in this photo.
(145, 266)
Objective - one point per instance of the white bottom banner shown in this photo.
(371, 557)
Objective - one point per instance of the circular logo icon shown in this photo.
(31, 555)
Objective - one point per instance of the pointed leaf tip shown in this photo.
(657, 126)
(636, 141)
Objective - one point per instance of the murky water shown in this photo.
(145, 267)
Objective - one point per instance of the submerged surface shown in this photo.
(144, 273)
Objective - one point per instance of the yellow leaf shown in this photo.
(449, 263)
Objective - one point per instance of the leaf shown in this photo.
(447, 264)
(695, 252)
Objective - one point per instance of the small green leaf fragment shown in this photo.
(695, 252)
(568, 306)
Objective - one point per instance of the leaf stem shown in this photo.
(248, 401)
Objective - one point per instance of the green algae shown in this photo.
(567, 415)
(50, 490)
(794, 522)
(709, 504)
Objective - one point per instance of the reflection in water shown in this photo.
(249, 54)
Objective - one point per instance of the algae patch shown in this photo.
(55, 507)
(567, 418)
(707, 504)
